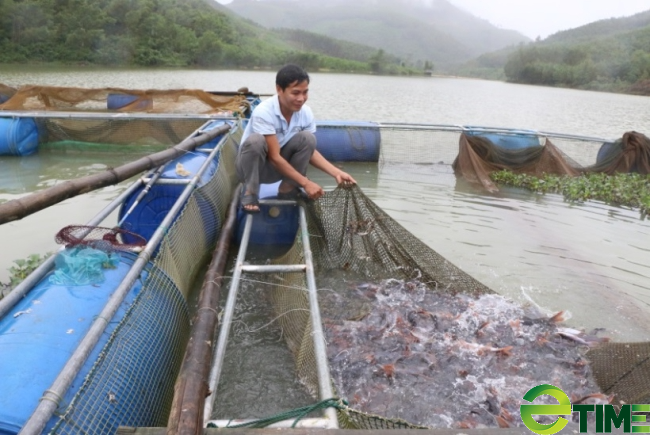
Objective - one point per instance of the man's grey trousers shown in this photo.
(253, 166)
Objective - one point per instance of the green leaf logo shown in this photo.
(563, 408)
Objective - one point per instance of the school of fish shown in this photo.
(402, 351)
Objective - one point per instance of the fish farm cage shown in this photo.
(411, 315)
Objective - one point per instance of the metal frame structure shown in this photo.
(324, 381)
(52, 397)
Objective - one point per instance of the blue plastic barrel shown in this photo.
(154, 206)
(18, 136)
(348, 141)
(273, 225)
(607, 149)
(118, 101)
(151, 210)
(40, 333)
(512, 140)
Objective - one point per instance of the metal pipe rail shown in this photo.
(308, 423)
(104, 115)
(503, 130)
(8, 302)
(324, 380)
(53, 396)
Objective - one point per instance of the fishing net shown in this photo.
(115, 119)
(89, 251)
(183, 101)
(131, 382)
(478, 156)
(105, 239)
(413, 341)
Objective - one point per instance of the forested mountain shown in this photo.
(609, 54)
(413, 30)
(163, 33)
(601, 29)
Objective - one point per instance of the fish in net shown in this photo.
(439, 359)
(413, 341)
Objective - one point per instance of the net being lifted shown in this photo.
(413, 341)
(478, 157)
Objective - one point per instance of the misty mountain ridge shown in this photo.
(601, 29)
(414, 30)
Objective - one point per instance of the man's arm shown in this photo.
(320, 162)
(313, 190)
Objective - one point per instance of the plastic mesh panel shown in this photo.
(122, 131)
(132, 380)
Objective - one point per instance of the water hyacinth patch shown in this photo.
(624, 189)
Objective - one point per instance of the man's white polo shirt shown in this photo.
(267, 119)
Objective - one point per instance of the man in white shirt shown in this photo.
(279, 144)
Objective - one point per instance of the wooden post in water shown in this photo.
(186, 417)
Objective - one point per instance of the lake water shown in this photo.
(591, 259)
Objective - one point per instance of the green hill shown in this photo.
(409, 29)
(611, 55)
(608, 55)
(163, 33)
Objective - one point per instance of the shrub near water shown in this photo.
(20, 270)
(628, 190)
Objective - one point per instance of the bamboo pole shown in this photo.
(186, 417)
(19, 208)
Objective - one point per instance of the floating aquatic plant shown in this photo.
(625, 189)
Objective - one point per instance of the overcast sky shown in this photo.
(536, 18)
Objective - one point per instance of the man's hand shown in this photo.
(345, 179)
(313, 190)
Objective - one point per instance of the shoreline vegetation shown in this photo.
(641, 88)
(608, 55)
(630, 190)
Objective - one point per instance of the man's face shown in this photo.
(294, 96)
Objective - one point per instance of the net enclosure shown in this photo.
(413, 341)
(107, 119)
(182, 101)
(397, 314)
(478, 156)
(132, 380)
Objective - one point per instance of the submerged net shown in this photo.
(105, 134)
(413, 341)
(478, 157)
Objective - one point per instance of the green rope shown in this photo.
(297, 413)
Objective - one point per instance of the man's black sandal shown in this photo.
(250, 200)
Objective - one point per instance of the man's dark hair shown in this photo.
(289, 74)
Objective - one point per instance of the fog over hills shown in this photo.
(414, 30)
